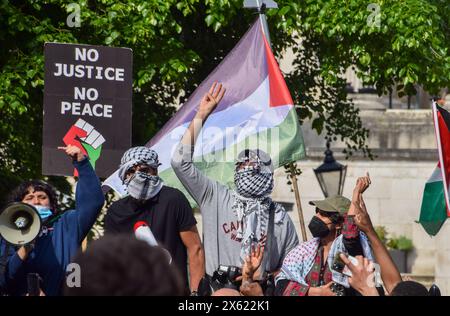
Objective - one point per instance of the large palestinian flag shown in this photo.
(435, 203)
(257, 111)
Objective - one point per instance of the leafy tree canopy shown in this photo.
(177, 43)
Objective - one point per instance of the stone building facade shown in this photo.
(406, 154)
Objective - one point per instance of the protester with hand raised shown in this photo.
(62, 232)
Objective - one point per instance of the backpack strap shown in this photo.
(269, 241)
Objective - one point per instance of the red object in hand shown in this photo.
(139, 224)
(143, 232)
(71, 138)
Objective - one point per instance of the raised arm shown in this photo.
(198, 185)
(350, 230)
(89, 197)
(389, 272)
(208, 104)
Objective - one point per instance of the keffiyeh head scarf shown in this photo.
(254, 183)
(299, 261)
(254, 180)
(140, 185)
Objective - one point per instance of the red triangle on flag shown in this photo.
(279, 93)
(443, 122)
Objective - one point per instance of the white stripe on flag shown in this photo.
(222, 130)
(435, 176)
(228, 127)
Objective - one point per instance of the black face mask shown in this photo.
(318, 228)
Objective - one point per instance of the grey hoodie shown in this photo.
(220, 224)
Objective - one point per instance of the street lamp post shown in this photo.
(331, 174)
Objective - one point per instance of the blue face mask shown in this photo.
(44, 212)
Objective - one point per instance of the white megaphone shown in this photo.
(143, 232)
(20, 223)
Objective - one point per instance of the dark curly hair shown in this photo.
(121, 265)
(409, 288)
(18, 194)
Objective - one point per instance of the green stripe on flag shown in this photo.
(433, 212)
(219, 165)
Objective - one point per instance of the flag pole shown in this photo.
(263, 20)
(261, 6)
(293, 175)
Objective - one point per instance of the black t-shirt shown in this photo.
(167, 214)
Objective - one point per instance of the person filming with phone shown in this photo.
(314, 267)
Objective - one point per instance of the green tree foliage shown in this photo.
(161, 65)
(401, 243)
(177, 43)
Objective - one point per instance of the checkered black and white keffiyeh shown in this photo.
(252, 202)
(140, 186)
(253, 182)
(135, 156)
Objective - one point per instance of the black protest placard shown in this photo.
(87, 103)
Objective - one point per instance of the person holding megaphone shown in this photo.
(55, 236)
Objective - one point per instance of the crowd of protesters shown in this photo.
(263, 258)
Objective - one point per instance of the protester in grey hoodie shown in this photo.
(234, 221)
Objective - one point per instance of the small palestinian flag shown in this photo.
(435, 203)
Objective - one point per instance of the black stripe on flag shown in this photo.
(445, 116)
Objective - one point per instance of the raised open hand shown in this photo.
(253, 262)
(211, 99)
